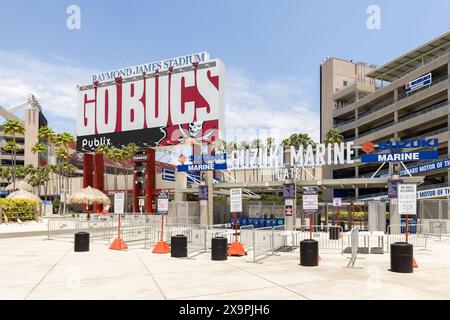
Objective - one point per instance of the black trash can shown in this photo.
(81, 241)
(334, 232)
(178, 246)
(402, 257)
(309, 253)
(219, 249)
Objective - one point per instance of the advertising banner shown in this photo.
(418, 83)
(203, 193)
(289, 191)
(174, 106)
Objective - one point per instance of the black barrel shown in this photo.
(219, 248)
(309, 253)
(402, 257)
(81, 241)
(334, 233)
(178, 246)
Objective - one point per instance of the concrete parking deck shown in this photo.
(35, 268)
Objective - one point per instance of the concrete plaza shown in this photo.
(36, 268)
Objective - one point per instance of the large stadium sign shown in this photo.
(160, 108)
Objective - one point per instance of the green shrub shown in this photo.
(357, 215)
(13, 209)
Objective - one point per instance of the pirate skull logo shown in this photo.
(195, 128)
(193, 133)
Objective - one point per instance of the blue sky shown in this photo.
(271, 49)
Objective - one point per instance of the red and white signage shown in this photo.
(179, 105)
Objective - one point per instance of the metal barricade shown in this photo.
(196, 235)
(282, 239)
(262, 242)
(246, 237)
(416, 236)
(218, 230)
(323, 236)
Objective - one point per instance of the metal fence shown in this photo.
(322, 235)
(416, 236)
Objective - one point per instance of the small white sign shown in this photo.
(119, 202)
(289, 202)
(236, 200)
(407, 199)
(337, 202)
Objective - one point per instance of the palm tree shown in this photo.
(102, 149)
(62, 141)
(298, 139)
(46, 134)
(333, 136)
(69, 170)
(115, 154)
(5, 174)
(14, 127)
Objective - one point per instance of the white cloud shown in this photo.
(53, 82)
(276, 108)
(254, 108)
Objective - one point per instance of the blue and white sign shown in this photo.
(168, 174)
(433, 193)
(423, 168)
(418, 83)
(202, 167)
(399, 156)
(205, 162)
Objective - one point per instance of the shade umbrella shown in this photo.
(20, 185)
(89, 196)
(23, 194)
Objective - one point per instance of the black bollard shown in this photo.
(81, 241)
(334, 232)
(219, 249)
(178, 246)
(402, 257)
(309, 253)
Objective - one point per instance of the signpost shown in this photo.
(337, 203)
(119, 205)
(407, 202)
(236, 248)
(289, 195)
(163, 209)
(311, 203)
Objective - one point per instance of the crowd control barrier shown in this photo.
(417, 238)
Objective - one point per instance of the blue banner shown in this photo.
(427, 167)
(202, 167)
(399, 156)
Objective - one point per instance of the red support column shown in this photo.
(150, 182)
(88, 171)
(98, 177)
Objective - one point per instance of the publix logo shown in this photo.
(369, 146)
(391, 151)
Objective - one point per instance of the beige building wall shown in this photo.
(31, 136)
(339, 75)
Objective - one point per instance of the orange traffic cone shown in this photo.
(415, 265)
(118, 244)
(236, 249)
(161, 247)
